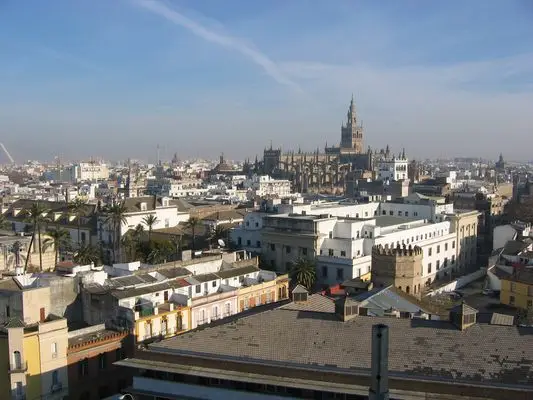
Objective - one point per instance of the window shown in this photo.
(438, 265)
(530, 304)
(415, 213)
(272, 247)
(17, 360)
(438, 248)
(239, 241)
(288, 249)
(324, 272)
(358, 271)
(198, 288)
(384, 212)
(511, 300)
(258, 243)
(513, 287)
(391, 212)
(20, 389)
(343, 253)
(445, 246)
(469, 319)
(330, 252)
(54, 349)
(406, 213)
(248, 242)
(340, 273)
(102, 361)
(429, 268)
(453, 244)
(453, 259)
(430, 251)
(330, 234)
(304, 251)
(445, 262)
(214, 283)
(399, 213)
(83, 367)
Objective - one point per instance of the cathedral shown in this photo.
(326, 170)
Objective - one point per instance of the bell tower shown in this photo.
(352, 132)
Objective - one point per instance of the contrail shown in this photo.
(259, 58)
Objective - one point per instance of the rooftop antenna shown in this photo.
(158, 159)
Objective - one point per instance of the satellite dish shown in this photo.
(221, 243)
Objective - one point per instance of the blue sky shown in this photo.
(114, 78)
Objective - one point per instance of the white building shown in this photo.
(393, 169)
(340, 237)
(247, 235)
(91, 171)
(138, 209)
(264, 185)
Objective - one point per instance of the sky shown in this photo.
(117, 78)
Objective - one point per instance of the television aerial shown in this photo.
(221, 243)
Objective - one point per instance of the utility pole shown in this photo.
(379, 386)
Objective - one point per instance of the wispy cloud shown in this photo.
(270, 67)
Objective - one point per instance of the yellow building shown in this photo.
(263, 293)
(517, 290)
(37, 359)
(165, 320)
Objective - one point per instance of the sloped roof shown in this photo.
(464, 309)
(299, 289)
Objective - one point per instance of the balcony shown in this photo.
(18, 367)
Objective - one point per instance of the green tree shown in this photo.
(4, 223)
(303, 272)
(78, 208)
(116, 217)
(217, 233)
(160, 251)
(37, 216)
(59, 239)
(87, 254)
(150, 221)
(193, 224)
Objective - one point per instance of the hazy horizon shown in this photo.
(113, 79)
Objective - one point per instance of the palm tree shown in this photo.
(193, 223)
(78, 209)
(87, 254)
(116, 217)
(159, 253)
(58, 238)
(37, 216)
(217, 233)
(150, 221)
(303, 272)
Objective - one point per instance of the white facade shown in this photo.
(392, 169)
(248, 234)
(264, 185)
(167, 216)
(346, 251)
(89, 171)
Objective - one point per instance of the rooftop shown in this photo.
(91, 337)
(437, 350)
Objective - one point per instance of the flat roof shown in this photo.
(429, 349)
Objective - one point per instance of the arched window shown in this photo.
(407, 289)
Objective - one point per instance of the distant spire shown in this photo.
(403, 153)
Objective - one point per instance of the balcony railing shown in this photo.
(18, 367)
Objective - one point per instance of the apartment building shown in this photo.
(137, 209)
(91, 354)
(517, 289)
(341, 241)
(36, 359)
(160, 302)
(58, 216)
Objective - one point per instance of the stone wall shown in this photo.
(398, 266)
